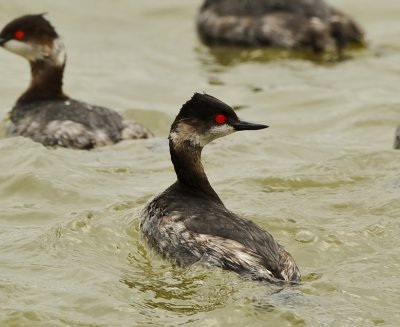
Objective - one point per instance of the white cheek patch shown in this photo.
(34, 52)
(212, 134)
(27, 50)
(185, 132)
(23, 49)
(221, 130)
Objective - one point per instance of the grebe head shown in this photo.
(203, 119)
(34, 38)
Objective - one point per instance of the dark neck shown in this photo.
(189, 170)
(46, 82)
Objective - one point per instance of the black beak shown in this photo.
(244, 126)
(2, 41)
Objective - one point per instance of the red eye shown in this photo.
(19, 35)
(220, 119)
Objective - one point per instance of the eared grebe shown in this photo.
(43, 112)
(188, 222)
(287, 24)
(397, 138)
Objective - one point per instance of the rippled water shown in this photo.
(322, 179)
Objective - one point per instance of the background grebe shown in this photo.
(287, 24)
(188, 222)
(43, 112)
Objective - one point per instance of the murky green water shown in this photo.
(323, 179)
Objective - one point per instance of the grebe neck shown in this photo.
(47, 76)
(189, 169)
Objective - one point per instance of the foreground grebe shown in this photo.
(43, 112)
(188, 222)
(287, 24)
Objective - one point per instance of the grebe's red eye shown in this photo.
(19, 35)
(220, 119)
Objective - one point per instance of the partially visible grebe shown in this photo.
(286, 24)
(43, 112)
(188, 222)
(397, 138)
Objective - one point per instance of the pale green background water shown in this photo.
(70, 251)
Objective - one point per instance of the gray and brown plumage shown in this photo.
(285, 24)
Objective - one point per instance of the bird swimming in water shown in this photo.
(44, 112)
(188, 222)
(397, 139)
(285, 24)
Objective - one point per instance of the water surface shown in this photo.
(322, 179)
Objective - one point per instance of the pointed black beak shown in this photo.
(2, 41)
(244, 126)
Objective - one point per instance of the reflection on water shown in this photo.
(225, 56)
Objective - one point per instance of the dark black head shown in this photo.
(31, 36)
(203, 119)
